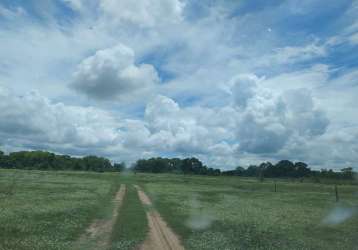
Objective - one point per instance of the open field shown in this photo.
(53, 210)
(238, 213)
(49, 210)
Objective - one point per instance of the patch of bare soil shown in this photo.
(160, 236)
(97, 235)
(143, 197)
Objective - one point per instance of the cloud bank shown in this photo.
(229, 82)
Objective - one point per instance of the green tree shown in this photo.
(119, 166)
(302, 169)
(239, 171)
(347, 173)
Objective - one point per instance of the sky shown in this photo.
(232, 82)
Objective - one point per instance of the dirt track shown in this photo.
(160, 236)
(98, 234)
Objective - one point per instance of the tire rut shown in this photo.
(97, 235)
(160, 236)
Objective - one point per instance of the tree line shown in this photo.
(288, 169)
(282, 169)
(41, 160)
(174, 165)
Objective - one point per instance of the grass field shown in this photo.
(50, 210)
(238, 213)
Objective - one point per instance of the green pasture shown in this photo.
(50, 210)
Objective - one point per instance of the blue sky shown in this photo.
(230, 82)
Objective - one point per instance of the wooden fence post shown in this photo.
(336, 192)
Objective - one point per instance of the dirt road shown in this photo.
(160, 236)
(97, 235)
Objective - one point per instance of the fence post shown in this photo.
(336, 192)
(275, 187)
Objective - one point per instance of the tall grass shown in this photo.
(49, 210)
(131, 226)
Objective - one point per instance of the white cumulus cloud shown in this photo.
(268, 120)
(33, 119)
(113, 74)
